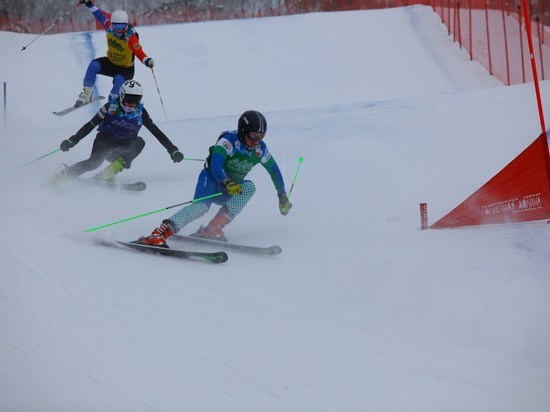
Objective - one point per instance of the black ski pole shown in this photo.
(158, 90)
(54, 24)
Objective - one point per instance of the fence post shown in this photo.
(542, 16)
(521, 44)
(449, 6)
(505, 42)
(470, 28)
(488, 38)
(455, 26)
(539, 35)
(458, 26)
(5, 104)
(533, 64)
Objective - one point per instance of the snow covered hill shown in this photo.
(361, 312)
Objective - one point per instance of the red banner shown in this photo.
(519, 192)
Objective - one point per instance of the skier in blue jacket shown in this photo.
(230, 159)
(118, 123)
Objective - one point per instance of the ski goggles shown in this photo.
(132, 98)
(119, 26)
(255, 136)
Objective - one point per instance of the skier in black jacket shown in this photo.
(117, 141)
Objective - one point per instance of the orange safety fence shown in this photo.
(493, 34)
(491, 31)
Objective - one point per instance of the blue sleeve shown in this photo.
(216, 166)
(100, 17)
(276, 176)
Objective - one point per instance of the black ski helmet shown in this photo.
(251, 121)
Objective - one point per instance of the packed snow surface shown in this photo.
(362, 311)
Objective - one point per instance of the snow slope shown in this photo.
(362, 311)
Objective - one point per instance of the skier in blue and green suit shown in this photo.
(231, 158)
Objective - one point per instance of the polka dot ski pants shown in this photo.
(234, 204)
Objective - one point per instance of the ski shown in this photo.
(73, 108)
(134, 187)
(269, 250)
(213, 257)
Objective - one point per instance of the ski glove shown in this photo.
(66, 145)
(149, 62)
(176, 156)
(232, 187)
(284, 204)
(88, 3)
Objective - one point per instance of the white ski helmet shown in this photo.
(130, 92)
(120, 17)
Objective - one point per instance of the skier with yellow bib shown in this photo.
(122, 48)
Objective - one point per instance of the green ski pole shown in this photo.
(300, 160)
(154, 211)
(32, 161)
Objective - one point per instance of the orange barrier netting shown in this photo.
(491, 31)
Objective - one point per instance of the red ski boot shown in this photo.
(214, 229)
(159, 235)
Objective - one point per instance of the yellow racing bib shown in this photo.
(118, 51)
